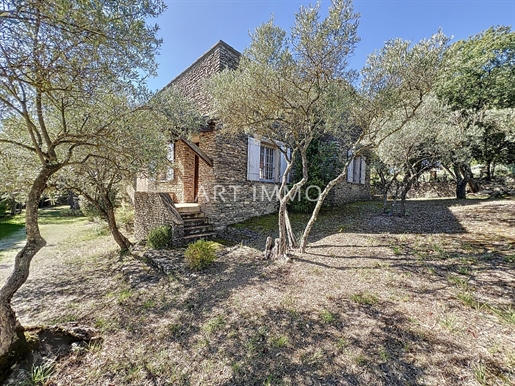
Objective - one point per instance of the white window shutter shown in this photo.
(350, 171)
(363, 171)
(253, 159)
(171, 157)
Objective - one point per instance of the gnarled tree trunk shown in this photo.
(107, 212)
(8, 323)
(318, 206)
(463, 175)
(122, 241)
(286, 237)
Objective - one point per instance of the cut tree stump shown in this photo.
(268, 248)
(271, 251)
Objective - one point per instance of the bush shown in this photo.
(200, 254)
(3, 207)
(71, 213)
(324, 165)
(160, 237)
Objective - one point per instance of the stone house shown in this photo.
(217, 181)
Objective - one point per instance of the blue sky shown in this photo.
(190, 27)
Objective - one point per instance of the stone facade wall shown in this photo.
(154, 209)
(348, 192)
(181, 186)
(191, 81)
(225, 194)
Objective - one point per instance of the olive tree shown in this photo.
(58, 60)
(479, 78)
(495, 143)
(395, 82)
(407, 153)
(137, 148)
(17, 169)
(290, 88)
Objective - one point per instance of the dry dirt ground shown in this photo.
(428, 299)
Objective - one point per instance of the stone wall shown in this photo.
(433, 189)
(191, 81)
(225, 194)
(155, 209)
(348, 192)
(181, 186)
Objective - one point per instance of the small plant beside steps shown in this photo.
(201, 254)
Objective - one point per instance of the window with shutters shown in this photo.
(356, 172)
(265, 162)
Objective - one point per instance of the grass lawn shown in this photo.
(427, 299)
(10, 225)
(53, 215)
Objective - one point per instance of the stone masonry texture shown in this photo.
(155, 209)
(224, 193)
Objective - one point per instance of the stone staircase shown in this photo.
(196, 224)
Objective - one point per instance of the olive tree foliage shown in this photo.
(486, 137)
(58, 60)
(137, 149)
(291, 88)
(17, 169)
(479, 79)
(394, 84)
(495, 143)
(407, 153)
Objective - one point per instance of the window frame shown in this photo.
(267, 162)
(254, 159)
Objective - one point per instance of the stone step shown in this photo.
(193, 216)
(193, 222)
(187, 209)
(206, 228)
(199, 236)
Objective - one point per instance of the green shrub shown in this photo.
(200, 254)
(71, 213)
(160, 237)
(324, 165)
(3, 207)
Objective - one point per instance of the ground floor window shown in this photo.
(266, 162)
(356, 172)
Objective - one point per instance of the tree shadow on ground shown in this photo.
(288, 346)
(15, 237)
(424, 217)
(192, 328)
